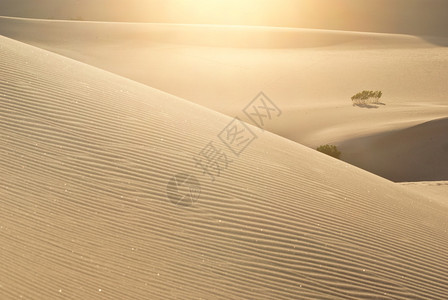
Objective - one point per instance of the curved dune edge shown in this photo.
(85, 159)
(203, 35)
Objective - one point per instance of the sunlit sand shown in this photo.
(102, 195)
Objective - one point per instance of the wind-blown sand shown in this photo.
(85, 159)
(310, 74)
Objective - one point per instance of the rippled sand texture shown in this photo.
(85, 159)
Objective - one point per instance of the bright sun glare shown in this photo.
(231, 12)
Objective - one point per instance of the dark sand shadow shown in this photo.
(369, 106)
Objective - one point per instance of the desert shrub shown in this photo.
(331, 150)
(366, 97)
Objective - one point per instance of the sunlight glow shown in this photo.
(230, 12)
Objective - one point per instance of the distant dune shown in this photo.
(151, 34)
(418, 153)
(418, 17)
(310, 74)
(85, 160)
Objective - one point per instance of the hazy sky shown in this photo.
(428, 17)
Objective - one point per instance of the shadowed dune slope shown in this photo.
(418, 153)
(85, 159)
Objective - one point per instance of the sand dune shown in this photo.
(429, 17)
(150, 34)
(419, 153)
(311, 74)
(436, 190)
(86, 156)
(297, 67)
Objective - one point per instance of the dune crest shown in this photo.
(204, 35)
(85, 159)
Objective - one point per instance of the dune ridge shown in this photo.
(85, 159)
(202, 35)
(345, 14)
(311, 82)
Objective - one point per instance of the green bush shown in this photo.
(331, 150)
(366, 97)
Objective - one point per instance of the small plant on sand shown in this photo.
(331, 150)
(366, 97)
